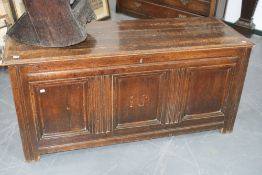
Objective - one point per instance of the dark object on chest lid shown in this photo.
(49, 23)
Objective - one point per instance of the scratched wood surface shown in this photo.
(129, 81)
(108, 38)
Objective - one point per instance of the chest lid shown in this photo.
(133, 37)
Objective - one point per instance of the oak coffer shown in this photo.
(167, 8)
(128, 81)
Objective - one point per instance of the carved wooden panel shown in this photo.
(145, 79)
(137, 99)
(99, 104)
(207, 90)
(174, 96)
(59, 107)
(71, 108)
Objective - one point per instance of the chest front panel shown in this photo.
(137, 80)
(81, 104)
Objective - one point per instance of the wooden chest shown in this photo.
(129, 81)
(167, 8)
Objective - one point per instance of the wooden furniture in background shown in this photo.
(167, 8)
(245, 22)
(137, 80)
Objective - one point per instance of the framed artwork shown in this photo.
(3, 30)
(101, 9)
(6, 12)
(19, 8)
(10, 11)
(6, 20)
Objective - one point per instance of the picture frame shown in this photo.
(19, 8)
(6, 20)
(6, 12)
(101, 9)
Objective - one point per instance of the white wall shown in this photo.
(234, 9)
(258, 16)
(2, 34)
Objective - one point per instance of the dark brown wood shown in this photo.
(247, 12)
(136, 80)
(167, 8)
(52, 23)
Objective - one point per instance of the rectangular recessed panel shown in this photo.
(207, 89)
(61, 108)
(137, 98)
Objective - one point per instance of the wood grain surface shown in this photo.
(129, 81)
(109, 38)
